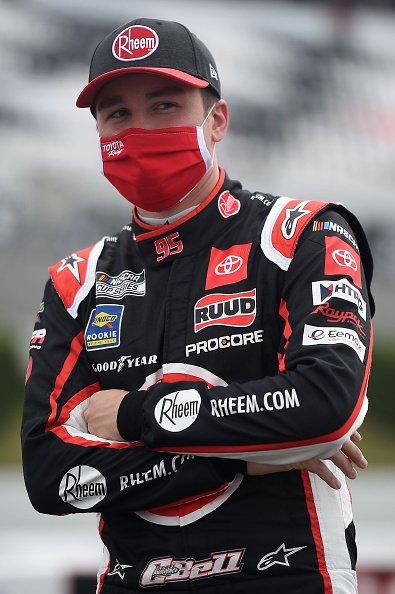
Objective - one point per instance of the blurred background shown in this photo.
(311, 88)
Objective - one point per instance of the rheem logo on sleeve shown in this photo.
(83, 487)
(178, 411)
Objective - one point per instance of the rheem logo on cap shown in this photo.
(135, 43)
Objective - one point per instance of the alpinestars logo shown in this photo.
(292, 215)
(237, 309)
(168, 569)
(119, 569)
(277, 557)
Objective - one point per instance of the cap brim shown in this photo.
(88, 94)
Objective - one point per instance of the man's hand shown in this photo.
(344, 459)
(101, 414)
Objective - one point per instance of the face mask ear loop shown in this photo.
(208, 114)
(207, 158)
(100, 158)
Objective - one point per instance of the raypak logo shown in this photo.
(83, 487)
(335, 335)
(235, 309)
(135, 43)
(177, 411)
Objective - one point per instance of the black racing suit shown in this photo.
(242, 333)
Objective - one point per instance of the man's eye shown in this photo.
(164, 105)
(119, 113)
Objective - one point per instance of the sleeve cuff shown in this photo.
(129, 415)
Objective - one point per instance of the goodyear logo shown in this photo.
(104, 327)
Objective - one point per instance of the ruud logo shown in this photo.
(178, 411)
(83, 487)
(236, 309)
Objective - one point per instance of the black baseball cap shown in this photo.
(151, 46)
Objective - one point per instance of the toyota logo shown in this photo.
(345, 258)
(229, 265)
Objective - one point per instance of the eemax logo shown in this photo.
(83, 487)
(178, 411)
(236, 309)
(334, 335)
(135, 43)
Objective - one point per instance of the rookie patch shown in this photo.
(104, 327)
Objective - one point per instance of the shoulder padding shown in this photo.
(285, 222)
(74, 276)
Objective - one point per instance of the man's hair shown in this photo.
(209, 98)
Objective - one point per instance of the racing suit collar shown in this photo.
(161, 245)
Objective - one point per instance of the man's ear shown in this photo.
(220, 120)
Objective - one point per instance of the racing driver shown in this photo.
(199, 379)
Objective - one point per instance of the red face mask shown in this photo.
(156, 169)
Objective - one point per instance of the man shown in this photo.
(191, 377)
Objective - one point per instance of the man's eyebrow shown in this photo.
(171, 90)
(109, 102)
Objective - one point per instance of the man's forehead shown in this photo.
(143, 84)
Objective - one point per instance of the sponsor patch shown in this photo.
(124, 362)
(117, 287)
(292, 216)
(235, 309)
(335, 335)
(277, 557)
(135, 43)
(165, 467)
(341, 289)
(177, 411)
(160, 571)
(112, 149)
(38, 338)
(227, 266)
(104, 327)
(254, 403)
(262, 198)
(72, 264)
(340, 258)
(339, 317)
(224, 342)
(83, 487)
(119, 569)
(331, 226)
(228, 205)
